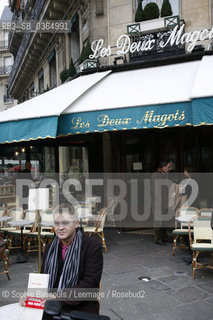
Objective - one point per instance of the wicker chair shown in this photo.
(181, 228)
(202, 241)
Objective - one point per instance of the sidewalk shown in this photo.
(171, 294)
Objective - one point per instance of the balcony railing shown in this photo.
(157, 51)
(5, 70)
(36, 11)
(3, 45)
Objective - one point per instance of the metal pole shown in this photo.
(39, 241)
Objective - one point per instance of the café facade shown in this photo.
(121, 118)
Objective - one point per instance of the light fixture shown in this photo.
(22, 150)
(16, 153)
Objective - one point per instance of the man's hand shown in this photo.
(23, 299)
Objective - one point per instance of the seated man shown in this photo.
(72, 259)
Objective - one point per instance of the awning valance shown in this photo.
(155, 97)
(162, 116)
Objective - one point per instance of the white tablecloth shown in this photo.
(15, 312)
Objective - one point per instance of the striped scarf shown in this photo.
(69, 275)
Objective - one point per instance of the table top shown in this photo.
(15, 312)
(5, 218)
(21, 222)
(47, 224)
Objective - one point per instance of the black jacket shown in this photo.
(90, 270)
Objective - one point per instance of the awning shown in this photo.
(156, 97)
(37, 118)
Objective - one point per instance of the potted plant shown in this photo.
(151, 11)
(139, 15)
(166, 9)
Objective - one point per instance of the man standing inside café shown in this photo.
(160, 200)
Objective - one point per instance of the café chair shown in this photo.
(46, 234)
(181, 228)
(4, 256)
(202, 241)
(13, 235)
(98, 228)
(206, 212)
(16, 213)
(111, 206)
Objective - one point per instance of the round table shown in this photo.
(15, 312)
(5, 218)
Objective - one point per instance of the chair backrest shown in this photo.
(111, 205)
(202, 229)
(187, 212)
(30, 215)
(16, 213)
(206, 212)
(47, 215)
(100, 222)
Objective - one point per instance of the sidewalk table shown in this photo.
(16, 312)
(4, 219)
(21, 223)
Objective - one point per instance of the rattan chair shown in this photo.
(46, 234)
(15, 213)
(181, 228)
(98, 227)
(206, 212)
(4, 253)
(14, 235)
(202, 241)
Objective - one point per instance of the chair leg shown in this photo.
(174, 244)
(6, 267)
(194, 264)
(103, 241)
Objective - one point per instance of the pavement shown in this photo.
(141, 281)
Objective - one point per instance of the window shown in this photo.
(74, 39)
(7, 64)
(41, 81)
(7, 97)
(52, 64)
(32, 90)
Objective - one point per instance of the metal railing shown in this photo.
(5, 70)
(36, 11)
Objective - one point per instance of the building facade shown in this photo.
(41, 56)
(6, 62)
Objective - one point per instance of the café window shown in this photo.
(42, 160)
(73, 161)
